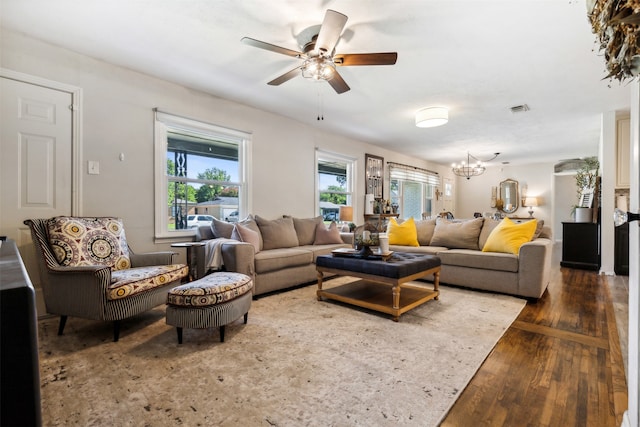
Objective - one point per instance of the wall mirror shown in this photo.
(374, 170)
(509, 196)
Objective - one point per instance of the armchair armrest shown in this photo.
(77, 291)
(151, 258)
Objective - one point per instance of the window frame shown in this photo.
(351, 164)
(429, 181)
(163, 122)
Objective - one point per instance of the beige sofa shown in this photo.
(284, 255)
(458, 245)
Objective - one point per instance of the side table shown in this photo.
(191, 261)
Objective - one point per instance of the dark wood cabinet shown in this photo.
(581, 245)
(621, 250)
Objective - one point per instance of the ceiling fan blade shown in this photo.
(272, 47)
(338, 84)
(330, 31)
(347, 59)
(285, 77)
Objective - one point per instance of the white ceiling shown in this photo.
(479, 58)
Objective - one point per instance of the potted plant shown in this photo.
(586, 179)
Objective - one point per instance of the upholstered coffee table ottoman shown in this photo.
(213, 301)
(372, 292)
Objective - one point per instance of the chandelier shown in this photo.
(468, 170)
(318, 68)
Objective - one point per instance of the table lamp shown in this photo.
(531, 202)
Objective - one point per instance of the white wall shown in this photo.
(118, 118)
(474, 195)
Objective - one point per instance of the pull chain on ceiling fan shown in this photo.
(320, 59)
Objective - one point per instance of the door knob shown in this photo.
(620, 217)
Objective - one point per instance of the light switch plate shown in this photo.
(93, 167)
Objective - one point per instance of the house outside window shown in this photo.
(200, 174)
(412, 189)
(334, 184)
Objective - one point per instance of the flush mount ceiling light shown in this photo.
(431, 117)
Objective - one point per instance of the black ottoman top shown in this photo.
(399, 265)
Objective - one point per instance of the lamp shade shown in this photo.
(346, 213)
(431, 117)
(531, 201)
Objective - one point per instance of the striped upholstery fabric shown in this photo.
(213, 289)
(208, 317)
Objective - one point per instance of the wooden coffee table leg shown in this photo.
(436, 284)
(396, 302)
(320, 277)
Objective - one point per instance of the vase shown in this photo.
(584, 215)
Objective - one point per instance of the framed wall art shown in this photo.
(374, 175)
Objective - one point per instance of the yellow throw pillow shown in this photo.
(404, 234)
(508, 236)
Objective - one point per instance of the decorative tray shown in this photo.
(355, 253)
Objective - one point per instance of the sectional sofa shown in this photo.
(281, 253)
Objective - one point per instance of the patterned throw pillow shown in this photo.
(78, 241)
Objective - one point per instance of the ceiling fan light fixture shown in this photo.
(431, 117)
(318, 68)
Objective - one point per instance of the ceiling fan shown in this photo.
(319, 57)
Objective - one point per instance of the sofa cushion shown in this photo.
(306, 229)
(131, 281)
(78, 241)
(481, 260)
(243, 233)
(429, 250)
(404, 234)
(508, 236)
(457, 235)
(277, 233)
(277, 259)
(425, 228)
(326, 236)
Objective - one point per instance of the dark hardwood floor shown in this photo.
(559, 364)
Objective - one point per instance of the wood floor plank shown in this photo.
(559, 364)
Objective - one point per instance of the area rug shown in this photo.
(298, 362)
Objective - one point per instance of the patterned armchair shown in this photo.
(87, 270)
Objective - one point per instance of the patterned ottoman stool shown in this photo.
(215, 300)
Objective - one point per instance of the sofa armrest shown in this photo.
(347, 237)
(236, 256)
(534, 267)
(239, 257)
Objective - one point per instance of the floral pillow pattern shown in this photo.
(78, 241)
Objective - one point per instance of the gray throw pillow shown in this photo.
(457, 235)
(221, 228)
(487, 227)
(425, 228)
(306, 229)
(277, 233)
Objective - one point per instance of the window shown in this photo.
(200, 173)
(334, 184)
(412, 189)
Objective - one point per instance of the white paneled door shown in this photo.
(35, 161)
